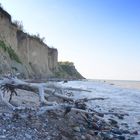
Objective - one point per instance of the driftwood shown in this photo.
(11, 84)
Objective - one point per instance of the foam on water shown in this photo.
(118, 99)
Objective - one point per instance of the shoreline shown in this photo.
(128, 84)
(135, 85)
(60, 126)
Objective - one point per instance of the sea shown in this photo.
(120, 96)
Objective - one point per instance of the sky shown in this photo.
(101, 37)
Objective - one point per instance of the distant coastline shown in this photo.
(130, 84)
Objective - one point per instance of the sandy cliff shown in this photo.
(35, 56)
(29, 55)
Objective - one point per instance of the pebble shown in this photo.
(2, 136)
(83, 137)
(89, 137)
(106, 136)
(28, 136)
(109, 132)
(95, 126)
(82, 129)
(4, 130)
(125, 131)
(121, 137)
(116, 131)
(132, 138)
(113, 122)
(64, 138)
(76, 128)
(76, 138)
(125, 124)
(96, 133)
(121, 117)
(135, 132)
(91, 132)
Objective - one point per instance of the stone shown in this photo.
(132, 138)
(76, 138)
(125, 124)
(106, 136)
(2, 136)
(64, 138)
(113, 122)
(125, 131)
(121, 138)
(135, 132)
(121, 117)
(116, 131)
(4, 130)
(138, 122)
(82, 129)
(28, 136)
(96, 126)
(91, 132)
(83, 137)
(89, 137)
(76, 128)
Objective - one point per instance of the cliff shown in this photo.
(36, 58)
(29, 55)
(67, 70)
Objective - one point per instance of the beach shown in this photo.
(119, 104)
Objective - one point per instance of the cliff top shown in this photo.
(5, 13)
(20, 29)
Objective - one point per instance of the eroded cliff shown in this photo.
(28, 54)
(36, 58)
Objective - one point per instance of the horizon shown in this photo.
(115, 80)
(100, 37)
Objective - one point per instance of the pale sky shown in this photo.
(102, 37)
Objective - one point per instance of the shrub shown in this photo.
(18, 24)
(37, 36)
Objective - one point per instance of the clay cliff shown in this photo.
(28, 54)
(36, 58)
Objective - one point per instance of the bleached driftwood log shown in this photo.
(5, 102)
(11, 84)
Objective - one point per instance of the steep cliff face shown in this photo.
(36, 57)
(28, 55)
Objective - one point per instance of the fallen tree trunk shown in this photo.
(12, 84)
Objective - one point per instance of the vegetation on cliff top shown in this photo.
(10, 51)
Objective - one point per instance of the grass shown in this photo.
(10, 51)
